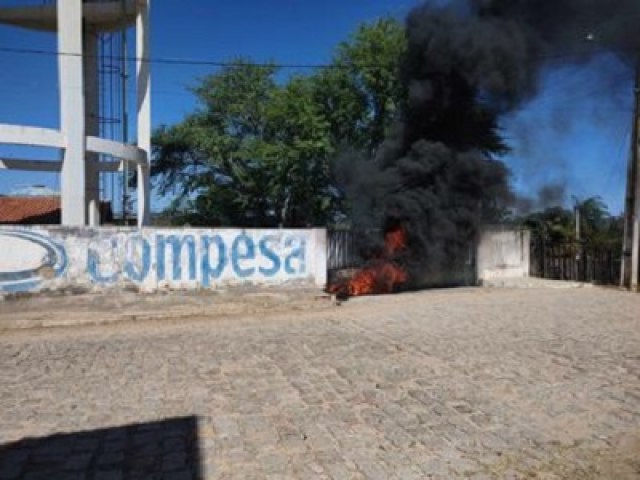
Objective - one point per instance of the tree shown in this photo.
(253, 154)
(553, 224)
(298, 155)
(598, 227)
(362, 94)
(257, 152)
(557, 224)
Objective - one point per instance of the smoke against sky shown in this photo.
(589, 48)
(590, 100)
(469, 66)
(563, 27)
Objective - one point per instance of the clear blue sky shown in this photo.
(576, 132)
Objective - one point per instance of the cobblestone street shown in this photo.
(462, 383)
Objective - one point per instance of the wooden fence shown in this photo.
(576, 262)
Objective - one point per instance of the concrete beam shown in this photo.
(30, 165)
(102, 16)
(129, 153)
(49, 165)
(31, 136)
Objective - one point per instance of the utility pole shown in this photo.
(631, 242)
(577, 215)
(577, 243)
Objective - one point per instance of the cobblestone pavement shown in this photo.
(470, 383)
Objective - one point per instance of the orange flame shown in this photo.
(382, 275)
(395, 241)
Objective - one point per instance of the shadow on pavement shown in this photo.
(155, 450)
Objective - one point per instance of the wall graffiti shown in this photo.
(28, 258)
(157, 258)
(196, 258)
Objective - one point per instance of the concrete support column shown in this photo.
(72, 108)
(143, 90)
(92, 127)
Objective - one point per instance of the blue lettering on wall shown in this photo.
(243, 249)
(296, 256)
(208, 270)
(269, 254)
(176, 252)
(93, 265)
(138, 270)
(198, 257)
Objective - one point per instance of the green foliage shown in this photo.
(362, 95)
(254, 154)
(597, 227)
(257, 152)
(554, 224)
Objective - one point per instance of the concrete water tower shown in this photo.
(76, 24)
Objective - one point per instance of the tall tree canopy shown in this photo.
(362, 94)
(254, 154)
(257, 152)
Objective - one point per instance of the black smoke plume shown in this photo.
(438, 173)
(548, 196)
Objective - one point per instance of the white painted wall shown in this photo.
(503, 253)
(51, 258)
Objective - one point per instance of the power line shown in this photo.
(187, 61)
(220, 63)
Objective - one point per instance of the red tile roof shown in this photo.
(44, 210)
(30, 210)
